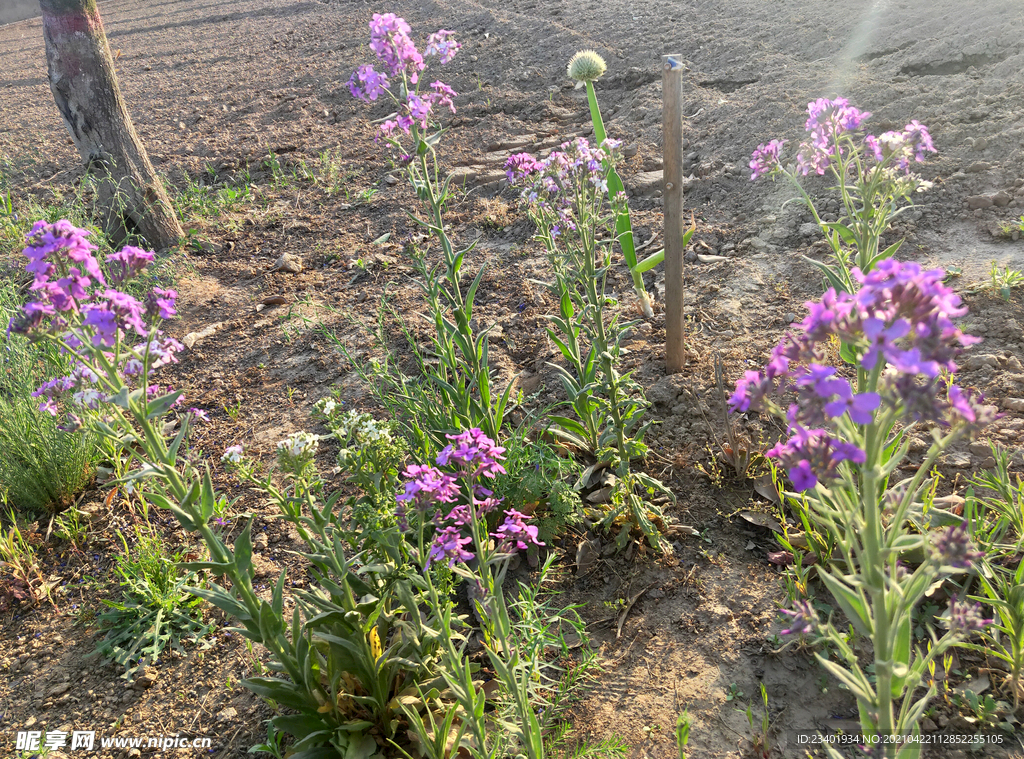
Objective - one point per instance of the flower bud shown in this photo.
(586, 66)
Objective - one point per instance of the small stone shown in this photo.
(391, 180)
(288, 263)
(980, 144)
(957, 460)
(789, 317)
(810, 229)
(928, 726)
(1013, 404)
(147, 679)
(630, 150)
(261, 542)
(1002, 199)
(59, 689)
(977, 202)
(193, 337)
(602, 495)
(227, 714)
(977, 167)
(647, 182)
(979, 448)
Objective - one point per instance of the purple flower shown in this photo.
(515, 532)
(438, 44)
(103, 323)
(765, 159)
(810, 456)
(448, 544)
(367, 84)
(917, 136)
(966, 617)
(474, 453)
(389, 40)
(160, 301)
(520, 166)
(804, 619)
(953, 548)
(427, 486)
(128, 262)
(417, 110)
(442, 95)
(128, 310)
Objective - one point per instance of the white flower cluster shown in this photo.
(364, 428)
(298, 444)
(352, 425)
(232, 455)
(326, 406)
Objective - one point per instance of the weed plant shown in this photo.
(156, 611)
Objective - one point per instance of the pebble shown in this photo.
(957, 460)
(977, 202)
(789, 317)
(978, 166)
(1013, 404)
(227, 714)
(288, 263)
(1002, 199)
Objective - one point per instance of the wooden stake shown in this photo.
(672, 151)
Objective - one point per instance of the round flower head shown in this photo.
(586, 66)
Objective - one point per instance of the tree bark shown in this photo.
(131, 197)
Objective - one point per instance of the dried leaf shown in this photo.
(762, 520)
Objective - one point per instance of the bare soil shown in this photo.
(214, 87)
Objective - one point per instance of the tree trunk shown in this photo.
(84, 85)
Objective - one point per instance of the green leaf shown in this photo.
(901, 657)
(854, 604)
(887, 253)
(844, 232)
(651, 261)
(859, 687)
(243, 550)
(158, 407)
(834, 279)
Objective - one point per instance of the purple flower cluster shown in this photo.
(67, 279)
(765, 159)
(804, 618)
(515, 533)
(967, 617)
(827, 122)
(473, 455)
(440, 45)
(391, 43)
(550, 185)
(953, 548)
(902, 316)
(813, 455)
(73, 296)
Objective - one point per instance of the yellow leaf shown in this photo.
(375, 647)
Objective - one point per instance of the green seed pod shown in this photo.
(586, 66)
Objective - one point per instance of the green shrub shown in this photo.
(42, 467)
